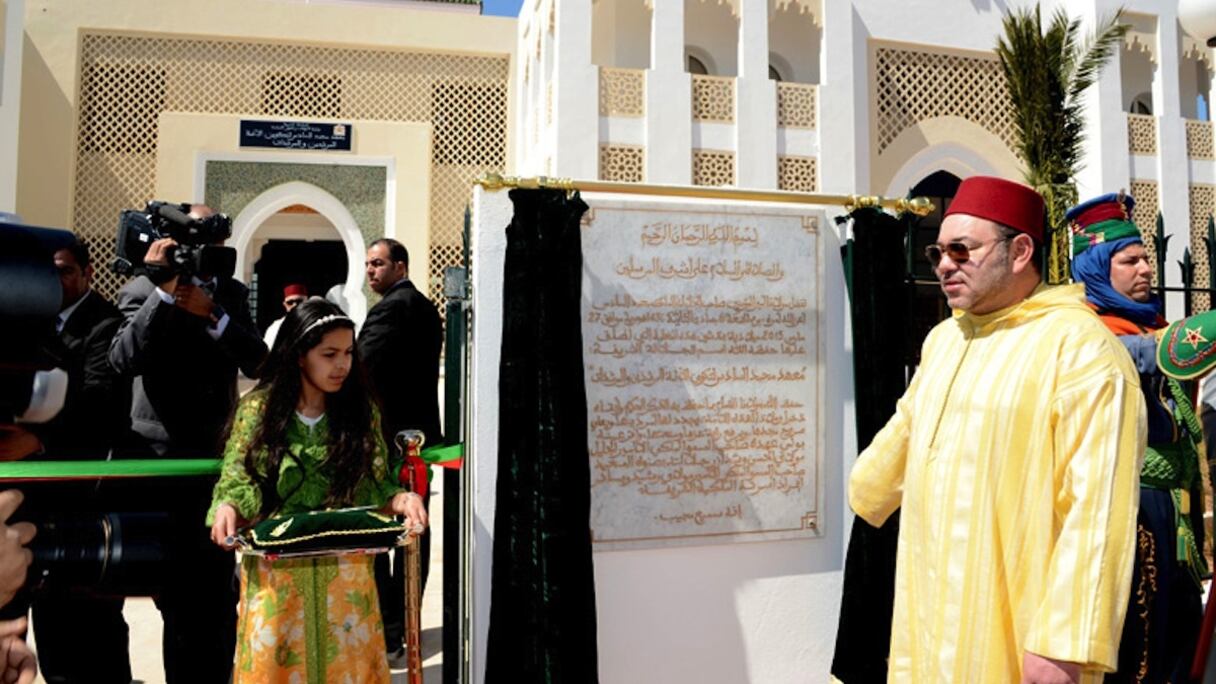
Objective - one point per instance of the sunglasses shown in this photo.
(957, 251)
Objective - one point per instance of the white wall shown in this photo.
(762, 612)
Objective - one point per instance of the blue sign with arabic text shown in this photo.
(296, 135)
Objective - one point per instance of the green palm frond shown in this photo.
(1047, 68)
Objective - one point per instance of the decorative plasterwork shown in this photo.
(1199, 140)
(713, 167)
(1144, 215)
(1142, 134)
(796, 105)
(622, 92)
(625, 163)
(713, 98)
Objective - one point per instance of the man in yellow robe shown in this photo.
(1014, 454)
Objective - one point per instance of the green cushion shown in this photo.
(1187, 349)
(338, 530)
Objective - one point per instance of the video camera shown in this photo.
(30, 295)
(196, 251)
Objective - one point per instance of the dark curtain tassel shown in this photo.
(879, 308)
(542, 608)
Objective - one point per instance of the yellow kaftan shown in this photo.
(1015, 454)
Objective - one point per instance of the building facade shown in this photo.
(123, 102)
(851, 96)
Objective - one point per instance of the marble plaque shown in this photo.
(701, 349)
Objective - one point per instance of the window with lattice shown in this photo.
(916, 85)
(127, 124)
(310, 95)
(461, 110)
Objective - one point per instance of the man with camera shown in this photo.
(93, 420)
(185, 335)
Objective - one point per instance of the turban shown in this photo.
(1100, 228)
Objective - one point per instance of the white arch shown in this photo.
(944, 143)
(274, 200)
(949, 157)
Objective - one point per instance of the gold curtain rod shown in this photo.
(921, 206)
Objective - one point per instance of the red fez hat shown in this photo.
(295, 289)
(996, 199)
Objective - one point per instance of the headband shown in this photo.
(322, 321)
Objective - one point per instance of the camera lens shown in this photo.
(112, 553)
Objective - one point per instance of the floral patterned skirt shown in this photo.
(309, 620)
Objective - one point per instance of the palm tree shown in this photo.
(1046, 71)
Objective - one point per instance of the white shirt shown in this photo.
(272, 331)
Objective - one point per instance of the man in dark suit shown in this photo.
(183, 340)
(399, 344)
(93, 421)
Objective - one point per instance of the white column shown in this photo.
(575, 91)
(755, 101)
(10, 101)
(668, 99)
(1172, 165)
(844, 133)
(1106, 166)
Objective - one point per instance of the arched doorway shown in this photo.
(326, 210)
(295, 245)
(928, 303)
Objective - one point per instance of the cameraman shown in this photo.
(183, 340)
(93, 419)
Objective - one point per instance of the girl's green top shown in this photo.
(304, 475)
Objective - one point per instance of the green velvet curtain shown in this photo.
(542, 605)
(880, 310)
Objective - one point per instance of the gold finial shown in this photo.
(921, 206)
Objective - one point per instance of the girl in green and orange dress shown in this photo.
(308, 438)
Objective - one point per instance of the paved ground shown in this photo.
(145, 622)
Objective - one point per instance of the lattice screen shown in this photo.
(796, 105)
(1141, 134)
(624, 163)
(1144, 215)
(713, 98)
(913, 86)
(1199, 140)
(126, 81)
(622, 92)
(1203, 206)
(712, 167)
(800, 174)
